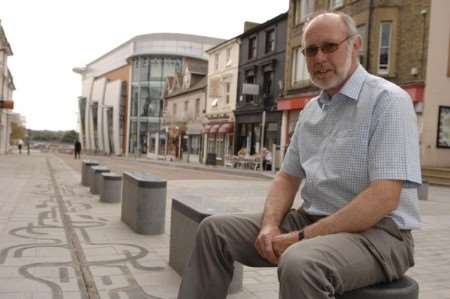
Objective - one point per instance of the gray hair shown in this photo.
(348, 21)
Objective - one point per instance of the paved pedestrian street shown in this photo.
(57, 240)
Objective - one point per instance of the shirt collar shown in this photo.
(351, 88)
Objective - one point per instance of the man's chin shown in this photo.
(322, 84)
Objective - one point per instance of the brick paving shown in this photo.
(59, 241)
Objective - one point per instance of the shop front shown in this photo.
(219, 142)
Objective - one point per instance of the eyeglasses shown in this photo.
(326, 48)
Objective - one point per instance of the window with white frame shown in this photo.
(302, 9)
(384, 47)
(227, 92)
(336, 4)
(216, 61)
(252, 48)
(197, 107)
(299, 69)
(362, 31)
(448, 57)
(228, 55)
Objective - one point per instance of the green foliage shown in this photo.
(53, 136)
(70, 137)
(17, 132)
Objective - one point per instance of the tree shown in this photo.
(17, 132)
(70, 137)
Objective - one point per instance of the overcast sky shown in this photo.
(50, 37)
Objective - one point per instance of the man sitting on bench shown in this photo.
(356, 148)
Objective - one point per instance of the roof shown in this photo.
(163, 37)
(199, 85)
(4, 41)
(264, 25)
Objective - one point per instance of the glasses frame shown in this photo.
(323, 46)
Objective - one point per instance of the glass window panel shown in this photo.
(170, 66)
(135, 70)
(145, 100)
(144, 69)
(134, 100)
(385, 34)
(156, 69)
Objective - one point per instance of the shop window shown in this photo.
(384, 48)
(270, 40)
(252, 47)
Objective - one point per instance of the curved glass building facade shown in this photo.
(149, 73)
(132, 75)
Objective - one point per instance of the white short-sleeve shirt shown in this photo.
(366, 132)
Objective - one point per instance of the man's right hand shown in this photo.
(263, 243)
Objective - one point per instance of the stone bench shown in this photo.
(95, 177)
(110, 187)
(422, 190)
(186, 215)
(403, 288)
(85, 166)
(144, 202)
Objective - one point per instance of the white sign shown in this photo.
(251, 89)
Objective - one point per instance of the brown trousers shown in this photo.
(311, 269)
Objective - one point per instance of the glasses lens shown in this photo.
(311, 51)
(329, 47)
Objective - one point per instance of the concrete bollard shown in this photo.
(96, 172)
(110, 187)
(85, 165)
(144, 203)
(422, 191)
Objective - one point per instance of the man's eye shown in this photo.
(329, 47)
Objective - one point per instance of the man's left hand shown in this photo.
(281, 242)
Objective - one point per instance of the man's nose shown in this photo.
(320, 55)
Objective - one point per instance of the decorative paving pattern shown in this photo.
(50, 249)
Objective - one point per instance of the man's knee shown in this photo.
(301, 267)
(211, 225)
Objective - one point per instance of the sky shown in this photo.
(51, 37)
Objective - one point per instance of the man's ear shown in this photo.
(357, 43)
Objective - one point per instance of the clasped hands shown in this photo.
(271, 243)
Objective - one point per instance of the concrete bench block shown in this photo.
(110, 187)
(186, 215)
(403, 288)
(422, 191)
(96, 175)
(85, 165)
(144, 202)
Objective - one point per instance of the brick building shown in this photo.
(394, 37)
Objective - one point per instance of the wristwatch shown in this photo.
(301, 234)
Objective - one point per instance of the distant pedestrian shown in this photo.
(19, 146)
(28, 148)
(77, 149)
